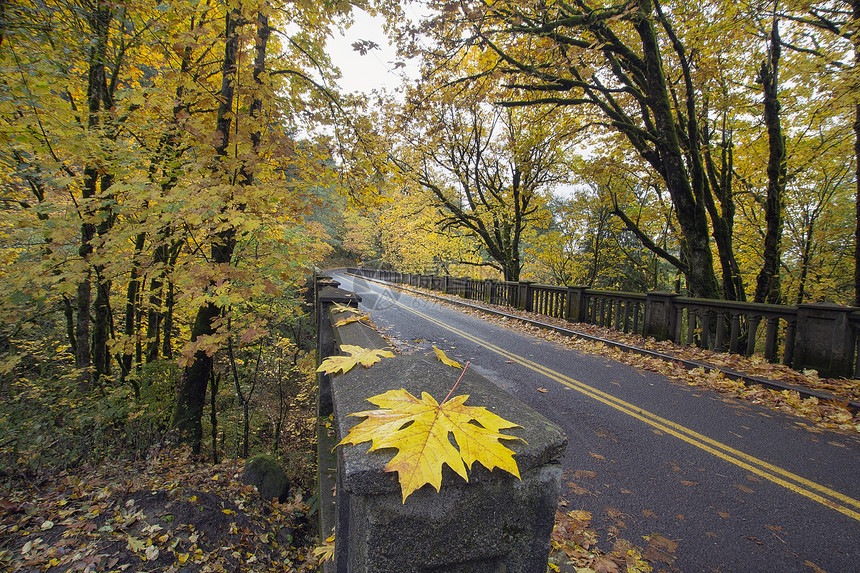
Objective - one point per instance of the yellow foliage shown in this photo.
(367, 357)
(420, 428)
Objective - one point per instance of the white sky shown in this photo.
(375, 69)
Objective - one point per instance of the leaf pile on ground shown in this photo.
(823, 414)
(166, 514)
(573, 548)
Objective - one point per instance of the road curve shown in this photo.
(739, 487)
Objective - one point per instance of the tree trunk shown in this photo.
(804, 263)
(167, 324)
(131, 307)
(191, 395)
(192, 391)
(768, 287)
(155, 314)
(83, 360)
(101, 305)
(690, 209)
(213, 415)
(98, 99)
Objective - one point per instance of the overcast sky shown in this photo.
(373, 70)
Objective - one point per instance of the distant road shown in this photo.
(737, 486)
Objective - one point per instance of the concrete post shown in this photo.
(825, 340)
(524, 296)
(493, 523)
(660, 315)
(575, 304)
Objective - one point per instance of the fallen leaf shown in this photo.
(815, 568)
(613, 513)
(597, 456)
(420, 428)
(350, 319)
(544, 390)
(660, 548)
(443, 358)
(367, 357)
(580, 515)
(134, 544)
(151, 553)
(577, 490)
(325, 552)
(605, 565)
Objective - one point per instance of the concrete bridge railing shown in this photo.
(493, 523)
(820, 336)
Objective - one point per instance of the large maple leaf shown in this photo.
(367, 357)
(420, 430)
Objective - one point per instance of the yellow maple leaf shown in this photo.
(367, 357)
(338, 308)
(353, 318)
(445, 360)
(325, 552)
(420, 428)
(135, 544)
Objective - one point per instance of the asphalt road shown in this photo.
(738, 487)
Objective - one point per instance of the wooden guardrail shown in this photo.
(492, 523)
(820, 336)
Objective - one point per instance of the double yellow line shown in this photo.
(833, 499)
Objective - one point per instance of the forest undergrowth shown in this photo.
(99, 483)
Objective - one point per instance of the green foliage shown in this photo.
(48, 425)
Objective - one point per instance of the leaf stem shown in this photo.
(463, 373)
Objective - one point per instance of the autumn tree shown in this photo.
(839, 55)
(819, 237)
(150, 157)
(485, 168)
(625, 67)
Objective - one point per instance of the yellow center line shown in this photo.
(750, 463)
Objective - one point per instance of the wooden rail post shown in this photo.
(523, 296)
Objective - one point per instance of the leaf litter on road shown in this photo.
(823, 414)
